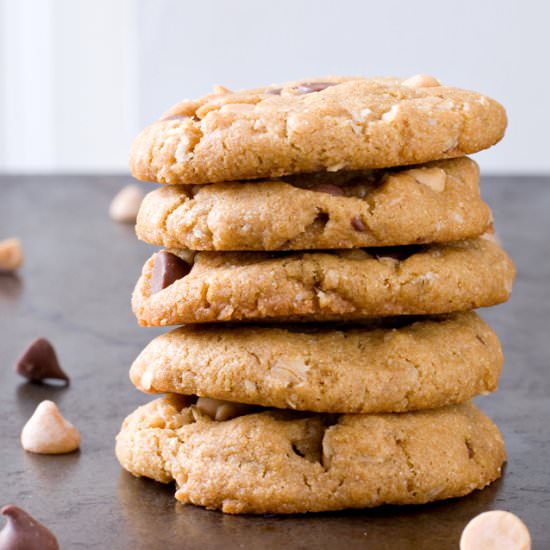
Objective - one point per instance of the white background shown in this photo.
(80, 78)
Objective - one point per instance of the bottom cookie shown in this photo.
(278, 461)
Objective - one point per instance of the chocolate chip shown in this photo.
(39, 362)
(481, 339)
(23, 532)
(273, 91)
(167, 269)
(310, 87)
(357, 224)
(180, 117)
(328, 188)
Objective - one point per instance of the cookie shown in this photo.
(329, 124)
(403, 366)
(435, 202)
(317, 286)
(288, 462)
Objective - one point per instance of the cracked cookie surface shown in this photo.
(341, 285)
(288, 462)
(435, 202)
(348, 369)
(349, 123)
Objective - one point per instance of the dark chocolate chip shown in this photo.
(39, 362)
(274, 91)
(328, 188)
(310, 87)
(399, 253)
(23, 532)
(357, 224)
(180, 117)
(167, 269)
(481, 339)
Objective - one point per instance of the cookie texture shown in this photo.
(414, 365)
(330, 124)
(434, 202)
(341, 285)
(288, 462)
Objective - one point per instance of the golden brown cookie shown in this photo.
(329, 124)
(414, 365)
(316, 286)
(288, 462)
(434, 202)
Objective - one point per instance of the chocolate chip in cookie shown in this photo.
(358, 224)
(310, 87)
(168, 268)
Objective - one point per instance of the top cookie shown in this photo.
(326, 124)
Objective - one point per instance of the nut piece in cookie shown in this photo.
(498, 530)
(23, 532)
(39, 363)
(125, 205)
(47, 432)
(11, 255)
(220, 410)
(434, 178)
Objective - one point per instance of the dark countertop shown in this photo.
(75, 289)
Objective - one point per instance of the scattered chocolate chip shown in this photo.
(167, 269)
(23, 532)
(39, 363)
(274, 91)
(357, 224)
(328, 188)
(310, 87)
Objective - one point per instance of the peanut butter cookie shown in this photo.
(328, 124)
(288, 462)
(319, 286)
(434, 202)
(401, 366)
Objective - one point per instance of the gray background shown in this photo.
(80, 78)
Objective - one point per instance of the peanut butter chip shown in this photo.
(421, 81)
(47, 432)
(125, 205)
(495, 530)
(220, 410)
(11, 255)
(432, 177)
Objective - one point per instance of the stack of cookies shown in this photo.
(325, 243)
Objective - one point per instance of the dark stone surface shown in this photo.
(75, 289)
